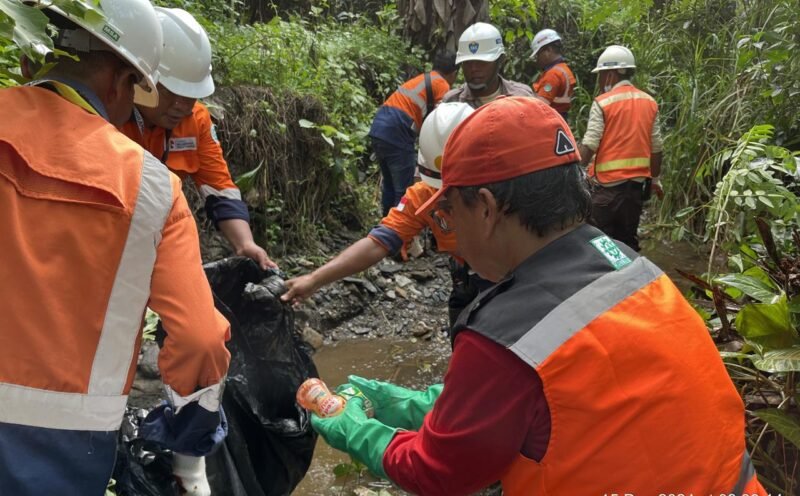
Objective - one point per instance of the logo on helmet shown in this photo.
(473, 47)
(498, 41)
(109, 31)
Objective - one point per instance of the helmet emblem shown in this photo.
(473, 47)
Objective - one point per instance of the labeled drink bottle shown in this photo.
(314, 395)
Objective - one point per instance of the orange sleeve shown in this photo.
(402, 219)
(440, 88)
(550, 85)
(213, 169)
(194, 353)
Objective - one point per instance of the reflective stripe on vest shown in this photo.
(581, 308)
(131, 288)
(564, 98)
(104, 405)
(746, 475)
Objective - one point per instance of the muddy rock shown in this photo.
(421, 329)
(402, 281)
(312, 337)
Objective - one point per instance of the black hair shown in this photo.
(545, 201)
(445, 63)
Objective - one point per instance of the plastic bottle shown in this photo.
(314, 395)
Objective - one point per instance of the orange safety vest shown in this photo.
(82, 257)
(412, 97)
(629, 412)
(626, 146)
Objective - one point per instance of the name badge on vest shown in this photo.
(182, 144)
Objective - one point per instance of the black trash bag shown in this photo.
(270, 442)
(142, 468)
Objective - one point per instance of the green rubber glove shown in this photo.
(397, 406)
(363, 438)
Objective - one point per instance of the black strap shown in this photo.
(428, 93)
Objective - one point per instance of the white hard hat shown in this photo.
(542, 39)
(130, 28)
(615, 57)
(433, 136)
(185, 67)
(481, 41)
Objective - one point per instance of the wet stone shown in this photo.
(312, 337)
(148, 366)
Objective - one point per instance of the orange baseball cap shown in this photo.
(504, 139)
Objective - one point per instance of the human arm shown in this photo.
(586, 154)
(595, 128)
(656, 157)
(478, 426)
(397, 406)
(359, 256)
(193, 359)
(237, 232)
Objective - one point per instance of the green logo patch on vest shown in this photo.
(609, 249)
(110, 32)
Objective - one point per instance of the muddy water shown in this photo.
(415, 364)
(670, 256)
(420, 363)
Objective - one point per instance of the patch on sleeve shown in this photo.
(214, 132)
(609, 249)
(548, 87)
(402, 205)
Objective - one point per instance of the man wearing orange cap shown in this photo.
(565, 373)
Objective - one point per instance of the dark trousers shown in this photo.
(616, 211)
(397, 169)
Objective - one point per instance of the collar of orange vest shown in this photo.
(74, 92)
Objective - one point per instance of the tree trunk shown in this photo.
(437, 24)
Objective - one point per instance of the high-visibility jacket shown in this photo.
(557, 86)
(192, 149)
(399, 119)
(626, 146)
(402, 223)
(96, 229)
(639, 399)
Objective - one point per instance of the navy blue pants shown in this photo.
(397, 168)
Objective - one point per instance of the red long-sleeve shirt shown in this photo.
(491, 409)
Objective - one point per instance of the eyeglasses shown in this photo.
(442, 215)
